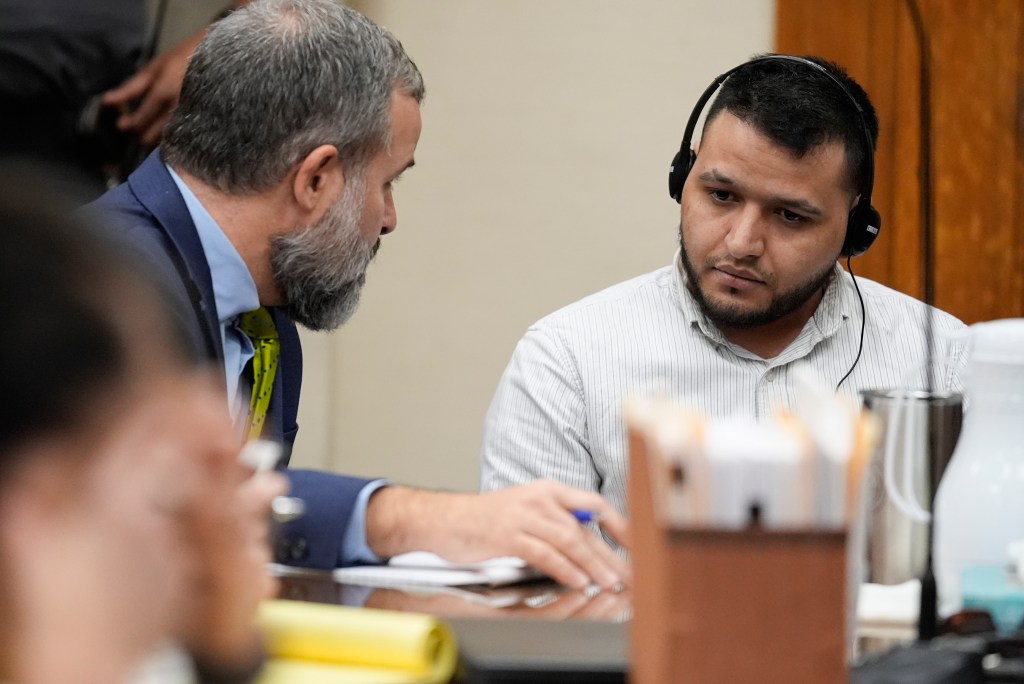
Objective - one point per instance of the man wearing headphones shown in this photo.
(780, 190)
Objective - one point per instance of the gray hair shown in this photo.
(272, 81)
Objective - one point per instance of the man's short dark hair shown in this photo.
(799, 108)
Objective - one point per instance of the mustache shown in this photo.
(746, 267)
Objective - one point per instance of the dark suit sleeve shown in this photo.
(314, 540)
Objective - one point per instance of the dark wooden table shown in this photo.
(533, 632)
(544, 600)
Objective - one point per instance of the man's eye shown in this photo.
(720, 195)
(791, 216)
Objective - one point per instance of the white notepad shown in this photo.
(421, 568)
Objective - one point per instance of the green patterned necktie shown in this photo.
(259, 327)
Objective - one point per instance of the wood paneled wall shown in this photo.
(977, 112)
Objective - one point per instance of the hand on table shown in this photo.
(533, 521)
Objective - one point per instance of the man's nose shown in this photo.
(390, 215)
(746, 235)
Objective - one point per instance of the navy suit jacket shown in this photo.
(149, 212)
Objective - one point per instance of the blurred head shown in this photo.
(314, 95)
(94, 467)
(764, 209)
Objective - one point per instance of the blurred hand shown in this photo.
(534, 522)
(232, 547)
(147, 98)
(225, 528)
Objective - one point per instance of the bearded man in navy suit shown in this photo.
(272, 189)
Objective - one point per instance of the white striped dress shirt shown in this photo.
(557, 412)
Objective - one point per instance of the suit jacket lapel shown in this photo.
(156, 190)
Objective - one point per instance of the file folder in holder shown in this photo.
(730, 606)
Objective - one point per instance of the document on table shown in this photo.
(322, 644)
(421, 568)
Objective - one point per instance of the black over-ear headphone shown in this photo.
(864, 222)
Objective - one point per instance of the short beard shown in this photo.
(321, 269)
(737, 318)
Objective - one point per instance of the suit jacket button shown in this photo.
(299, 549)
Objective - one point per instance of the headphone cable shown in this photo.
(863, 321)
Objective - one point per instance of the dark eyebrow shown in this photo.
(715, 176)
(803, 206)
(800, 205)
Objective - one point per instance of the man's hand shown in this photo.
(534, 522)
(147, 98)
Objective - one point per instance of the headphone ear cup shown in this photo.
(862, 228)
(678, 172)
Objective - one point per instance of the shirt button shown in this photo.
(769, 375)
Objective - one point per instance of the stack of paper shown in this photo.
(312, 643)
(422, 568)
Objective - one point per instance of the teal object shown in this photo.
(997, 590)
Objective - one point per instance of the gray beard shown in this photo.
(321, 269)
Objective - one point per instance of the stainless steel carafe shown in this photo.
(918, 432)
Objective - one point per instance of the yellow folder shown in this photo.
(314, 643)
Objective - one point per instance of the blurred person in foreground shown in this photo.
(263, 208)
(126, 519)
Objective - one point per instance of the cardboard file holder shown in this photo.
(716, 606)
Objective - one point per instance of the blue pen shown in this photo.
(585, 516)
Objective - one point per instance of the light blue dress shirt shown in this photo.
(234, 293)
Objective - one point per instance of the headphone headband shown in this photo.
(864, 223)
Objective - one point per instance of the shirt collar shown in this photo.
(838, 305)
(234, 290)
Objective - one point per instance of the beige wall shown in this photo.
(540, 177)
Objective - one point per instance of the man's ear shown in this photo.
(319, 179)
